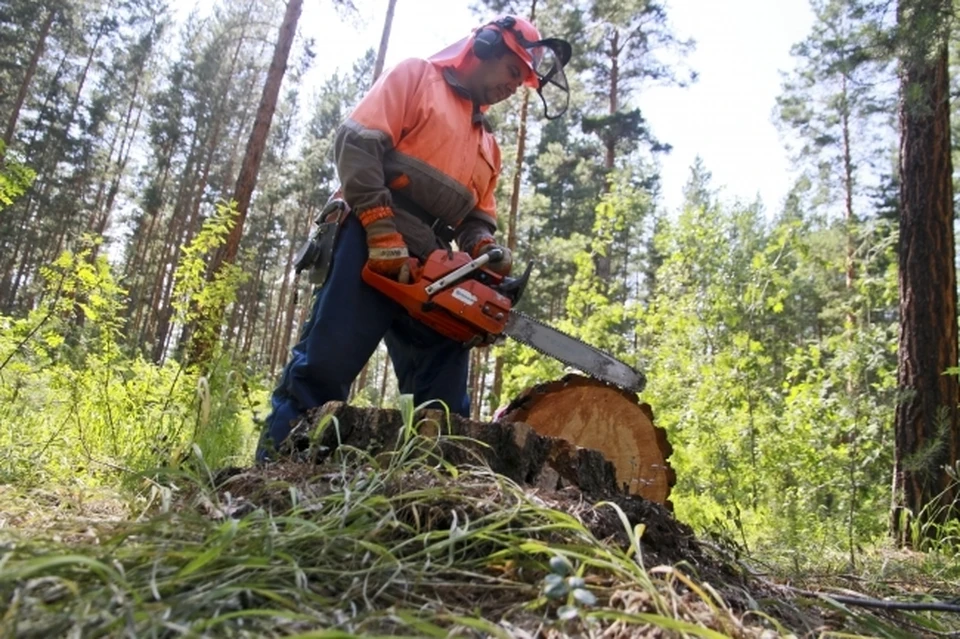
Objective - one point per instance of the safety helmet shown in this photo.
(545, 58)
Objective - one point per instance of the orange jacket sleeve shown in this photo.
(374, 127)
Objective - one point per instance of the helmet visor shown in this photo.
(549, 58)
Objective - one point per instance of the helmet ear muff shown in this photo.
(488, 43)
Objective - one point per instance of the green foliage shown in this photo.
(598, 311)
(780, 428)
(15, 178)
(83, 411)
(196, 299)
(936, 530)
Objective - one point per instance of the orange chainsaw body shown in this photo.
(469, 310)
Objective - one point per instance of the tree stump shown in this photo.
(595, 415)
(514, 450)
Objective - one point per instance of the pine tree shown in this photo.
(927, 429)
(839, 103)
(631, 41)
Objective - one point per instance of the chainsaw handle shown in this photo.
(455, 276)
(496, 254)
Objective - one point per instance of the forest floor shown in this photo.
(405, 544)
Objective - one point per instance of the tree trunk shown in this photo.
(849, 218)
(384, 40)
(497, 388)
(159, 321)
(247, 180)
(27, 79)
(610, 159)
(483, 381)
(927, 433)
(476, 392)
(283, 325)
(383, 380)
(514, 450)
(532, 461)
(128, 137)
(212, 143)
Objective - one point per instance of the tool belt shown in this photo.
(316, 254)
(440, 228)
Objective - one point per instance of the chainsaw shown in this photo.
(462, 299)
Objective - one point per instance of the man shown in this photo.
(418, 167)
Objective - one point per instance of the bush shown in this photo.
(81, 410)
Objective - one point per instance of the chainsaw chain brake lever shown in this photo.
(512, 287)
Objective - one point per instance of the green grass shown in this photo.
(398, 544)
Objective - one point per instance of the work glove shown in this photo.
(486, 245)
(387, 253)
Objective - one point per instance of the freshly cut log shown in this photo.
(595, 415)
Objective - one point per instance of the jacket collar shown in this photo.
(478, 116)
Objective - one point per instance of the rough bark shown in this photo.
(514, 450)
(514, 208)
(247, 180)
(283, 329)
(476, 391)
(927, 432)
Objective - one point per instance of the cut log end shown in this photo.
(595, 415)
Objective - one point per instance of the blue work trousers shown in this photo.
(348, 320)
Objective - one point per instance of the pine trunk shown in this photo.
(247, 180)
(603, 262)
(927, 432)
(383, 380)
(384, 40)
(476, 392)
(28, 74)
(131, 127)
(849, 217)
(497, 386)
(282, 327)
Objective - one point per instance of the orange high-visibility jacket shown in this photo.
(416, 135)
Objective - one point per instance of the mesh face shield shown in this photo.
(548, 58)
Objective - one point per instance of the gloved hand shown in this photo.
(502, 266)
(387, 253)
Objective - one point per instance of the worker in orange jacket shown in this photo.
(418, 166)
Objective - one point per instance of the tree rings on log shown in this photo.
(595, 415)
